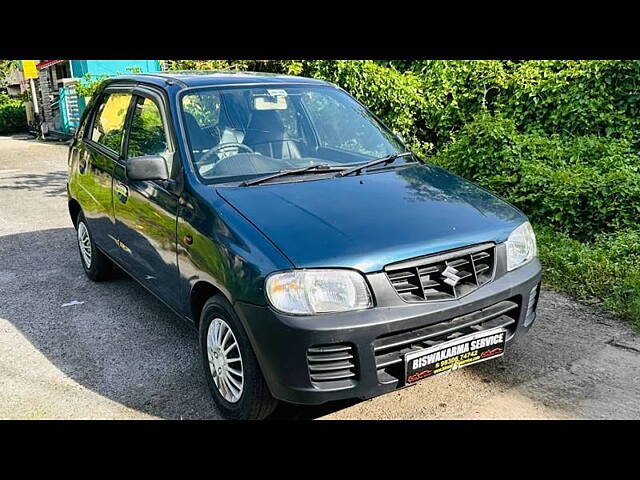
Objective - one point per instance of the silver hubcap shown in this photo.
(225, 360)
(85, 244)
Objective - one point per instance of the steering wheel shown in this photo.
(222, 147)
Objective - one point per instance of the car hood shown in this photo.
(368, 221)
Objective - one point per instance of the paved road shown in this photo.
(70, 348)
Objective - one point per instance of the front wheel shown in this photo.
(230, 366)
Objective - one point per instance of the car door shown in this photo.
(146, 211)
(98, 157)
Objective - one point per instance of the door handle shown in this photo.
(122, 191)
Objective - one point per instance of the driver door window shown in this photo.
(147, 134)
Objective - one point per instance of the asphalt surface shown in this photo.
(71, 348)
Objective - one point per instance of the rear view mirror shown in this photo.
(270, 102)
(150, 167)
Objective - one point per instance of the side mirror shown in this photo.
(150, 167)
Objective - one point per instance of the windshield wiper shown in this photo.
(283, 173)
(388, 159)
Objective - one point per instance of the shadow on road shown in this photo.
(121, 342)
(51, 184)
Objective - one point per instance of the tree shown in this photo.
(6, 66)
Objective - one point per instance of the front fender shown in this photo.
(226, 250)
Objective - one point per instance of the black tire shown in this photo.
(99, 267)
(255, 402)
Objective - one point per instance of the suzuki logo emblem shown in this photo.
(450, 276)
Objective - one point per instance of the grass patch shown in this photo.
(606, 270)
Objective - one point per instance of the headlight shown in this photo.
(318, 291)
(521, 246)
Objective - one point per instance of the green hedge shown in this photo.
(580, 185)
(576, 98)
(13, 117)
(571, 98)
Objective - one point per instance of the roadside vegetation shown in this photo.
(606, 269)
(13, 117)
(559, 139)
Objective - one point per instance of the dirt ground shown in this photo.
(70, 348)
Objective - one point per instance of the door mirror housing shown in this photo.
(148, 167)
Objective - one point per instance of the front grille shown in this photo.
(331, 365)
(389, 350)
(444, 276)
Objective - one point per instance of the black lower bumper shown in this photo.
(316, 359)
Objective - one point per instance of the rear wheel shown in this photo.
(230, 366)
(95, 263)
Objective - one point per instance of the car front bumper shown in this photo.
(365, 339)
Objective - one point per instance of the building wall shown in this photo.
(45, 100)
(112, 67)
(16, 83)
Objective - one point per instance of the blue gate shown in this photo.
(71, 108)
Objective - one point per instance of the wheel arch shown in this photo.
(74, 210)
(200, 293)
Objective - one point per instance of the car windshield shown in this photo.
(240, 133)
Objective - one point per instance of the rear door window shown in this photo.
(109, 120)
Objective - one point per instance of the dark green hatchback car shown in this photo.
(317, 256)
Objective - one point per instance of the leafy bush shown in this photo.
(549, 97)
(13, 117)
(88, 84)
(606, 270)
(457, 91)
(576, 98)
(580, 185)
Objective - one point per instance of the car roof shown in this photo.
(204, 78)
